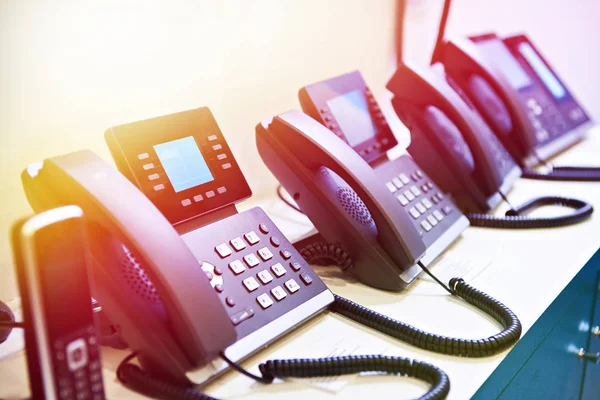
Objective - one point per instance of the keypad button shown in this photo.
(292, 286)
(237, 267)
(404, 178)
(391, 187)
(251, 260)
(275, 241)
(285, 254)
(219, 288)
(440, 196)
(252, 237)
(306, 278)
(242, 316)
(278, 293)
(217, 147)
(250, 283)
(414, 212)
(221, 189)
(402, 199)
(95, 377)
(278, 270)
(435, 199)
(198, 198)
(409, 195)
(419, 174)
(264, 300)
(153, 177)
(230, 301)
(159, 187)
(186, 202)
(414, 177)
(431, 219)
(95, 365)
(143, 156)
(397, 183)
(427, 203)
(447, 210)
(438, 215)
(415, 190)
(209, 194)
(226, 166)
(263, 228)
(221, 156)
(209, 275)
(424, 188)
(295, 265)
(430, 185)
(148, 166)
(421, 208)
(212, 138)
(426, 225)
(265, 254)
(223, 250)
(237, 243)
(265, 277)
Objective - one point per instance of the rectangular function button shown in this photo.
(402, 199)
(226, 166)
(153, 177)
(252, 237)
(397, 183)
(265, 277)
(264, 300)
(148, 166)
(210, 194)
(427, 203)
(295, 265)
(221, 156)
(421, 208)
(265, 253)
(278, 293)
(391, 187)
(408, 194)
(143, 156)
(217, 147)
(414, 212)
(432, 220)
(159, 187)
(306, 278)
(285, 254)
(242, 315)
(223, 250)
(292, 286)
(237, 243)
(221, 189)
(447, 210)
(237, 267)
(426, 225)
(198, 198)
(212, 138)
(415, 190)
(250, 283)
(251, 260)
(438, 215)
(404, 178)
(186, 202)
(278, 269)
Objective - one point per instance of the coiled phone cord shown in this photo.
(429, 341)
(579, 174)
(135, 378)
(515, 220)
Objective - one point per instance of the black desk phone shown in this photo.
(456, 147)
(520, 96)
(217, 281)
(347, 107)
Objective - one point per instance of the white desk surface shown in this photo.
(524, 269)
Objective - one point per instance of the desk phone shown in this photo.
(347, 107)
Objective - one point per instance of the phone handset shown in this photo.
(195, 314)
(491, 92)
(442, 106)
(315, 146)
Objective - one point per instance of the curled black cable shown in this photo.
(578, 174)
(333, 366)
(323, 253)
(515, 220)
(134, 378)
(438, 343)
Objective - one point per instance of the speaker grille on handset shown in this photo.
(354, 206)
(136, 277)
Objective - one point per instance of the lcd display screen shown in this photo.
(183, 163)
(498, 54)
(352, 115)
(542, 70)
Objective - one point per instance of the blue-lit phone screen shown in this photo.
(183, 163)
(549, 79)
(352, 114)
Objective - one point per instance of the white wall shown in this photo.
(71, 69)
